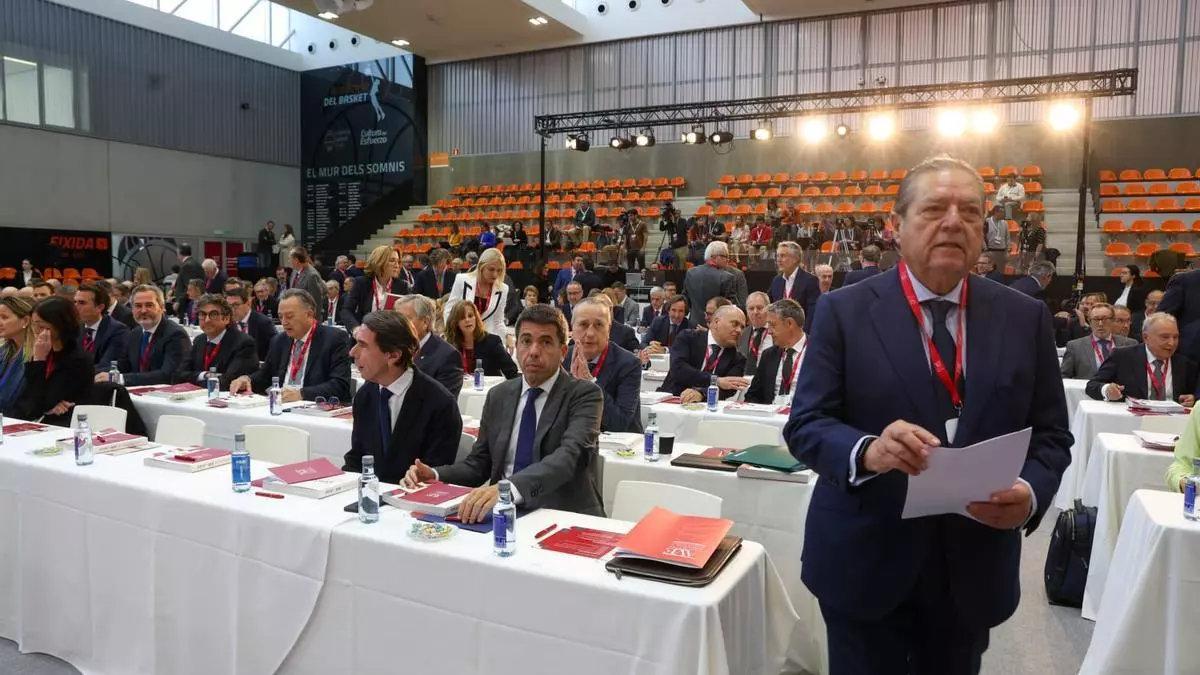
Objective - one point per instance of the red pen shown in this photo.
(272, 495)
(548, 530)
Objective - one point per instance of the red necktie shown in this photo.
(710, 364)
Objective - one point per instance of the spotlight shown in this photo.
(578, 142)
(952, 122)
(720, 137)
(694, 137)
(1063, 115)
(762, 133)
(842, 130)
(328, 16)
(814, 130)
(984, 121)
(400, 43)
(620, 143)
(645, 139)
(880, 126)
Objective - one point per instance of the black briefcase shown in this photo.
(1067, 559)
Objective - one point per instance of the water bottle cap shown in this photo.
(368, 461)
(274, 381)
(239, 437)
(82, 417)
(212, 369)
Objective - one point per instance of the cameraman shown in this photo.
(633, 237)
(676, 234)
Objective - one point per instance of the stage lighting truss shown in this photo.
(578, 142)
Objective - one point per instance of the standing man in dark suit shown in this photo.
(231, 352)
(189, 268)
(539, 431)
(339, 271)
(1182, 301)
(267, 258)
(102, 337)
(437, 278)
(331, 304)
(156, 348)
(304, 275)
(595, 358)
(698, 355)
(882, 386)
(435, 357)
(793, 282)
(779, 367)
(1156, 370)
(708, 280)
(214, 278)
(401, 414)
(1153, 300)
(870, 266)
(565, 276)
(756, 338)
(661, 334)
(1034, 285)
(247, 320)
(309, 359)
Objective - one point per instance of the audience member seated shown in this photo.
(247, 320)
(231, 352)
(485, 288)
(156, 348)
(331, 307)
(619, 332)
(1153, 371)
(661, 334)
(630, 312)
(104, 338)
(187, 307)
(60, 373)
(539, 431)
(1122, 321)
(574, 294)
(714, 303)
(435, 357)
(870, 255)
(1153, 300)
(780, 363)
(594, 357)
(793, 281)
(465, 333)
(265, 302)
(309, 359)
(565, 276)
(118, 301)
(214, 278)
(437, 278)
(400, 414)
(986, 267)
(1084, 355)
(655, 309)
(16, 329)
(370, 292)
(756, 337)
(697, 355)
(42, 290)
(1040, 274)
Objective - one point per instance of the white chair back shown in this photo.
(635, 498)
(474, 407)
(100, 416)
(1166, 424)
(723, 433)
(465, 443)
(179, 430)
(276, 444)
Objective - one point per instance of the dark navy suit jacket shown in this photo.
(854, 276)
(687, 361)
(441, 361)
(660, 328)
(168, 348)
(112, 338)
(864, 368)
(327, 369)
(649, 315)
(805, 290)
(1182, 300)
(262, 330)
(621, 381)
(1027, 285)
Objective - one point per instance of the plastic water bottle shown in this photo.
(650, 451)
(213, 382)
(713, 394)
(1191, 485)
(275, 397)
(478, 374)
(241, 464)
(83, 441)
(368, 491)
(114, 372)
(504, 522)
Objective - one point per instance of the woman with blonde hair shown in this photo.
(16, 346)
(371, 291)
(142, 277)
(465, 332)
(485, 288)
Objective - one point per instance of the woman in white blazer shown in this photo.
(486, 288)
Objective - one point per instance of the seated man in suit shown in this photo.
(985, 266)
(247, 320)
(435, 357)
(118, 308)
(1040, 275)
(665, 328)
(1155, 370)
(594, 357)
(422, 419)
(698, 355)
(309, 359)
(231, 352)
(1122, 321)
(780, 363)
(187, 306)
(331, 305)
(1084, 355)
(756, 338)
(156, 348)
(266, 300)
(870, 255)
(574, 295)
(539, 431)
(655, 309)
(620, 333)
(103, 337)
(1153, 299)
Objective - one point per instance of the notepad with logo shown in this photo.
(315, 478)
(240, 401)
(24, 429)
(190, 461)
(666, 537)
(177, 392)
(105, 441)
(436, 498)
(582, 541)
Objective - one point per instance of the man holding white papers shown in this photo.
(780, 363)
(924, 355)
(1155, 370)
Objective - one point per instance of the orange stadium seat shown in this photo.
(812, 191)
(1196, 226)
(823, 208)
(898, 174)
(1134, 189)
(1118, 249)
(1112, 205)
(1113, 227)
(887, 207)
(1154, 174)
(1146, 249)
(1033, 187)
(1188, 188)
(831, 191)
(754, 193)
(1167, 205)
(858, 175)
(1161, 189)
(678, 182)
(1129, 174)
(725, 210)
(791, 192)
(733, 193)
(819, 177)
(1031, 171)
(987, 172)
(806, 208)
(759, 210)
(782, 177)
(1006, 171)
(742, 210)
(1032, 206)
(1109, 190)
(800, 177)
(1191, 204)
(844, 207)
(1142, 227)
(745, 179)
(644, 183)
(852, 191)
(878, 174)
(867, 208)
(893, 189)
(772, 193)
(1179, 173)
(1173, 225)
(1183, 247)
(838, 176)
(827, 247)
(629, 183)
(1107, 175)
(1137, 205)
(873, 190)
(762, 178)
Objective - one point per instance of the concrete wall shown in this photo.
(73, 182)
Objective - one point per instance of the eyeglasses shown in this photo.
(215, 314)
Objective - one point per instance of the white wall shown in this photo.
(72, 182)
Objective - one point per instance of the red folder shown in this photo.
(200, 455)
(688, 541)
(719, 453)
(302, 471)
(435, 493)
(582, 541)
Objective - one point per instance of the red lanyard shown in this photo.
(298, 359)
(756, 342)
(380, 294)
(210, 353)
(1159, 383)
(790, 377)
(49, 364)
(1099, 354)
(600, 362)
(710, 363)
(144, 361)
(935, 359)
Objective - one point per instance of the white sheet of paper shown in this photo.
(958, 476)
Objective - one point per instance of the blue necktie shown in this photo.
(526, 432)
(944, 343)
(385, 418)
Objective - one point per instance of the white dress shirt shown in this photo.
(1011, 193)
(298, 381)
(1124, 299)
(797, 360)
(399, 387)
(789, 281)
(1168, 390)
(510, 454)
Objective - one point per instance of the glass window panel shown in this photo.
(21, 96)
(59, 89)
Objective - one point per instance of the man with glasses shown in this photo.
(1084, 355)
(231, 352)
(708, 280)
(247, 320)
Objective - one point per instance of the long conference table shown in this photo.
(121, 568)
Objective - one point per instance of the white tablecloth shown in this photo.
(120, 568)
(1074, 390)
(1118, 467)
(1091, 418)
(771, 513)
(1147, 622)
(672, 416)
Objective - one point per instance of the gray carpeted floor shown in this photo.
(1037, 639)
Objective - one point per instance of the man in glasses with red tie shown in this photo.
(156, 348)
(1155, 370)
(1084, 355)
(779, 366)
(697, 355)
(231, 352)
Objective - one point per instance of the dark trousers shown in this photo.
(638, 257)
(925, 634)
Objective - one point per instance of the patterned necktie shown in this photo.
(1105, 348)
(89, 340)
(946, 348)
(1158, 382)
(789, 362)
(528, 429)
(710, 364)
(385, 418)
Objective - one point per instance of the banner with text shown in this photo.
(60, 249)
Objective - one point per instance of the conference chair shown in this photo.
(465, 443)
(1165, 424)
(100, 417)
(276, 444)
(634, 499)
(474, 407)
(721, 433)
(179, 430)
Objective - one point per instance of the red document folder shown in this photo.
(688, 541)
(302, 471)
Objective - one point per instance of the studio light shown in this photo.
(762, 133)
(952, 123)
(620, 143)
(880, 126)
(578, 142)
(720, 137)
(400, 43)
(814, 130)
(694, 137)
(328, 16)
(645, 139)
(1063, 115)
(984, 121)
(842, 131)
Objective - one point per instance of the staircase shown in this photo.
(1062, 222)
(385, 236)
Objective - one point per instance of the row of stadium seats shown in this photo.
(1118, 227)
(567, 198)
(659, 183)
(1143, 205)
(1189, 187)
(812, 192)
(1126, 175)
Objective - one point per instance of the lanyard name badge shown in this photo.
(1099, 353)
(600, 363)
(297, 364)
(789, 379)
(935, 359)
(1159, 384)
